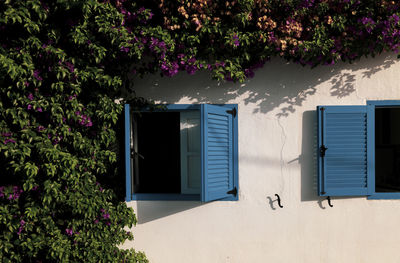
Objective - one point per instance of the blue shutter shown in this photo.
(342, 130)
(217, 152)
(127, 144)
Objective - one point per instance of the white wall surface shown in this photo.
(277, 138)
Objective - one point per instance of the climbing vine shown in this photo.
(64, 64)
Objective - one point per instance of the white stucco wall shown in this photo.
(277, 137)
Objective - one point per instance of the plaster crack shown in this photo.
(281, 161)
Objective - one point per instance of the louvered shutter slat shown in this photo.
(343, 169)
(217, 153)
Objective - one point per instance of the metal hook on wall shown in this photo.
(329, 201)
(279, 200)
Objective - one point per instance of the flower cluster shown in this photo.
(21, 227)
(300, 31)
(84, 120)
(10, 193)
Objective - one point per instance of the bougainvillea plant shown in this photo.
(64, 63)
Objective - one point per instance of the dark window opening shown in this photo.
(157, 168)
(387, 149)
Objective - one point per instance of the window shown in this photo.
(359, 150)
(185, 152)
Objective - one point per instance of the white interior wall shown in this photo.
(277, 138)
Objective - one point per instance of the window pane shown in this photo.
(387, 149)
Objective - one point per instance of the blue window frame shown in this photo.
(357, 152)
(216, 155)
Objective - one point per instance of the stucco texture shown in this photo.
(277, 142)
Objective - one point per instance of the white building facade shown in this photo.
(277, 154)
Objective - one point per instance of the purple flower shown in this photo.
(191, 69)
(26, 84)
(192, 60)
(30, 96)
(162, 45)
(249, 73)
(39, 109)
(228, 77)
(367, 20)
(40, 128)
(70, 66)
(72, 97)
(69, 231)
(124, 49)
(106, 215)
(6, 134)
(96, 221)
(236, 40)
(36, 75)
(220, 64)
(21, 227)
(395, 18)
(9, 141)
(169, 69)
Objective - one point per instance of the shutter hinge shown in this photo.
(233, 112)
(233, 192)
(134, 154)
(322, 150)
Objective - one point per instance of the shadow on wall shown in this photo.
(280, 87)
(309, 162)
(308, 158)
(279, 84)
(152, 210)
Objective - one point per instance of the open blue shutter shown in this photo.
(342, 150)
(217, 152)
(127, 144)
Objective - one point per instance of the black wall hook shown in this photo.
(329, 201)
(279, 200)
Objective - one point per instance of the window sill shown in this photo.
(172, 197)
(377, 196)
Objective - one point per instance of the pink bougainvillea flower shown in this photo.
(70, 66)
(9, 141)
(36, 75)
(69, 231)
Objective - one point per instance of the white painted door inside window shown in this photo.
(190, 152)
